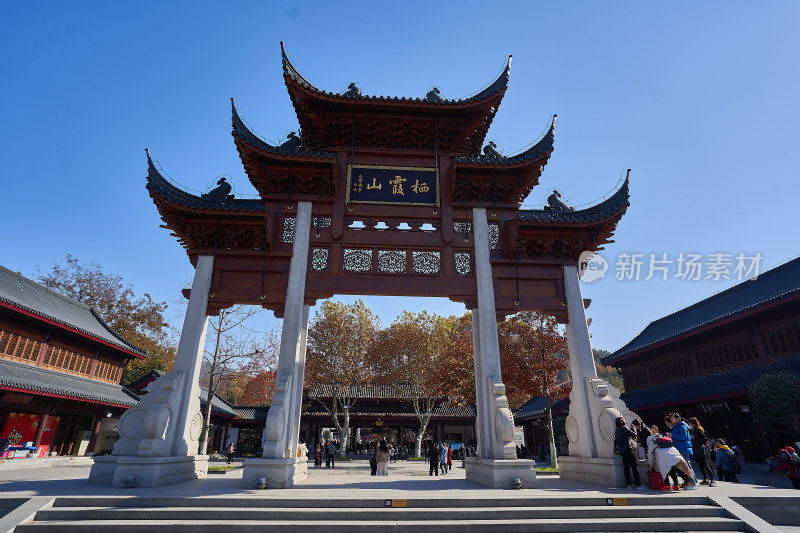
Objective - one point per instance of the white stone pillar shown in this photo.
(159, 437)
(497, 465)
(594, 403)
(279, 465)
(190, 357)
(581, 367)
(492, 402)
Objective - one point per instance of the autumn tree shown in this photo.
(532, 354)
(138, 320)
(338, 360)
(418, 351)
(607, 373)
(232, 352)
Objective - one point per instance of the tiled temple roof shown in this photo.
(32, 298)
(542, 148)
(773, 285)
(731, 383)
(241, 130)
(159, 185)
(602, 211)
(498, 85)
(218, 405)
(31, 379)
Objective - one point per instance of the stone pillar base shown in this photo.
(103, 469)
(151, 472)
(279, 473)
(597, 470)
(500, 473)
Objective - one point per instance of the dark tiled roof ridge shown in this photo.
(59, 384)
(789, 264)
(241, 130)
(499, 84)
(602, 211)
(120, 342)
(541, 147)
(161, 185)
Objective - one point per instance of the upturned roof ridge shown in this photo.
(241, 130)
(613, 204)
(543, 145)
(158, 183)
(496, 86)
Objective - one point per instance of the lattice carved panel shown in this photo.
(321, 222)
(289, 224)
(357, 260)
(494, 236)
(427, 262)
(463, 263)
(319, 259)
(392, 261)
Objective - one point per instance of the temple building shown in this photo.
(60, 370)
(700, 361)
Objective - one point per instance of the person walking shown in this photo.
(726, 462)
(622, 439)
(382, 458)
(330, 455)
(231, 451)
(433, 459)
(449, 458)
(443, 457)
(700, 452)
(373, 459)
(317, 456)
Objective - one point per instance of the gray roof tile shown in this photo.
(729, 383)
(780, 282)
(602, 211)
(241, 130)
(36, 380)
(543, 147)
(157, 183)
(496, 86)
(28, 295)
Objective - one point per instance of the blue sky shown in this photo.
(698, 98)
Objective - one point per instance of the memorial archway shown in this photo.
(380, 196)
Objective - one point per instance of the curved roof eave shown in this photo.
(500, 84)
(247, 136)
(160, 186)
(542, 148)
(613, 206)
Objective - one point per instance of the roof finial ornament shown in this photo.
(490, 150)
(353, 92)
(555, 203)
(220, 193)
(434, 95)
(292, 143)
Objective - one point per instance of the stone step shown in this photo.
(667, 498)
(585, 525)
(65, 514)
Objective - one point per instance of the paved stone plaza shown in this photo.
(351, 481)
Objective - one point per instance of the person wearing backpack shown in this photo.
(622, 446)
(787, 463)
(726, 464)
